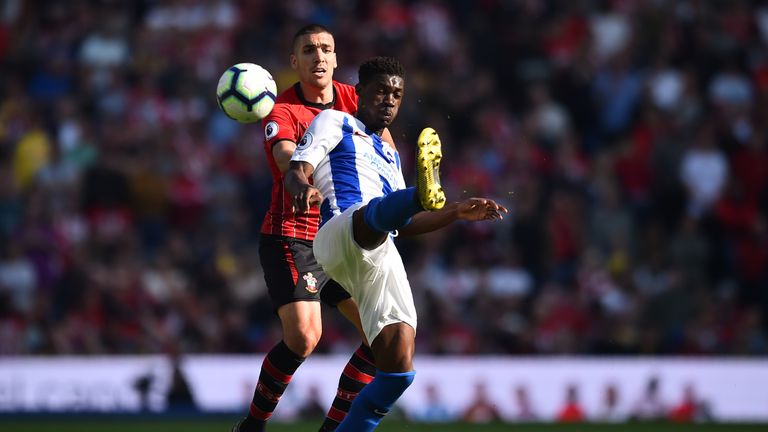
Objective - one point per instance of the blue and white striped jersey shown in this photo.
(351, 164)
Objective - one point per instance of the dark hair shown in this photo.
(307, 30)
(379, 66)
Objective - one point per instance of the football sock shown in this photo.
(276, 372)
(392, 211)
(359, 371)
(375, 401)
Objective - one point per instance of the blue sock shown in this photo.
(392, 211)
(375, 401)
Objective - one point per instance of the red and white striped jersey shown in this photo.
(288, 120)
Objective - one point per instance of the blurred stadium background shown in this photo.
(627, 137)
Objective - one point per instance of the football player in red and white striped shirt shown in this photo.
(296, 283)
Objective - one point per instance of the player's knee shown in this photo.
(394, 348)
(302, 326)
(400, 359)
(303, 342)
(397, 362)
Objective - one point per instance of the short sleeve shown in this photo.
(279, 125)
(321, 137)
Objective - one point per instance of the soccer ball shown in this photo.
(246, 92)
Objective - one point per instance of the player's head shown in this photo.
(380, 90)
(313, 55)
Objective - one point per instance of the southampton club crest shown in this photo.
(311, 282)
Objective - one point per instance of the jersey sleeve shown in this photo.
(279, 125)
(321, 137)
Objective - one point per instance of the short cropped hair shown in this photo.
(308, 30)
(379, 66)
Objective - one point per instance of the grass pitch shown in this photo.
(224, 425)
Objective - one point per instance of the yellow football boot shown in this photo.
(428, 155)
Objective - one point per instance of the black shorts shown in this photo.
(292, 274)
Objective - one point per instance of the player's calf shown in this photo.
(375, 401)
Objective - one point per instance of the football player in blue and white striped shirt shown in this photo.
(364, 202)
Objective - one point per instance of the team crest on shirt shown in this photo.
(306, 140)
(311, 282)
(270, 130)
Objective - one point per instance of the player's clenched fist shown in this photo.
(307, 197)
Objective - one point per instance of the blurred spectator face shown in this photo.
(314, 59)
(432, 393)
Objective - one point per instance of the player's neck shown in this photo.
(315, 95)
(366, 122)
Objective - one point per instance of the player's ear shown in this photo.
(294, 62)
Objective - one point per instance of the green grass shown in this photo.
(131, 425)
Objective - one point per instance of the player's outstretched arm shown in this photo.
(471, 209)
(282, 151)
(480, 209)
(297, 185)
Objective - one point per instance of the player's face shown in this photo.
(379, 101)
(314, 59)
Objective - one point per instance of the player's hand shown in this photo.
(480, 209)
(307, 197)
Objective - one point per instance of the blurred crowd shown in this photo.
(520, 405)
(627, 137)
(649, 406)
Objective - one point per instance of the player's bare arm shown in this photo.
(297, 185)
(282, 152)
(471, 209)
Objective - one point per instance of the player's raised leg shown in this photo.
(393, 211)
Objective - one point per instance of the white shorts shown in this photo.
(376, 278)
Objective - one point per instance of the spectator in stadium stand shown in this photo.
(609, 412)
(571, 411)
(691, 408)
(650, 406)
(525, 410)
(481, 409)
(180, 398)
(435, 409)
(704, 172)
(313, 407)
